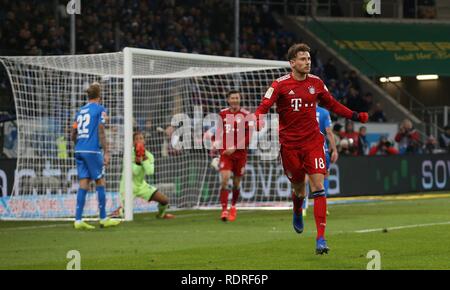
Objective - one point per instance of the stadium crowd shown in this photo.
(407, 140)
(165, 25)
(175, 25)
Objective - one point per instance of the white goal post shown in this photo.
(142, 90)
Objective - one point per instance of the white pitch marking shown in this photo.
(33, 227)
(401, 227)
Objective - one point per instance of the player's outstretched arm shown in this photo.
(267, 102)
(326, 100)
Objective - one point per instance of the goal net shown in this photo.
(162, 94)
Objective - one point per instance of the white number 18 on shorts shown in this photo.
(319, 163)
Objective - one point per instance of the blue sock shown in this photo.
(325, 185)
(81, 200)
(101, 201)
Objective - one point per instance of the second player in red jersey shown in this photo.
(296, 96)
(235, 133)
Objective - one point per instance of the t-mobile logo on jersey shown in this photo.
(296, 104)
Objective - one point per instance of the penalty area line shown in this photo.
(401, 227)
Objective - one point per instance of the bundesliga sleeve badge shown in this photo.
(269, 93)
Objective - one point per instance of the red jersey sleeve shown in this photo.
(270, 97)
(326, 100)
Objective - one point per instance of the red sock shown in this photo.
(320, 214)
(298, 203)
(236, 193)
(224, 199)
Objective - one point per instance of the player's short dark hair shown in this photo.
(136, 134)
(296, 48)
(93, 91)
(229, 93)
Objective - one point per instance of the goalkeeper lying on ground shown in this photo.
(143, 164)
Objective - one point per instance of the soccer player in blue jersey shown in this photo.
(88, 133)
(324, 120)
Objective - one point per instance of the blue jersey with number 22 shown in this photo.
(87, 122)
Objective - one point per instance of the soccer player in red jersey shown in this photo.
(235, 134)
(302, 151)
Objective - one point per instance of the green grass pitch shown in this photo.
(417, 237)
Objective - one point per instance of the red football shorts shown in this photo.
(234, 162)
(299, 162)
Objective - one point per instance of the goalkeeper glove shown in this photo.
(361, 117)
(140, 151)
(215, 163)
